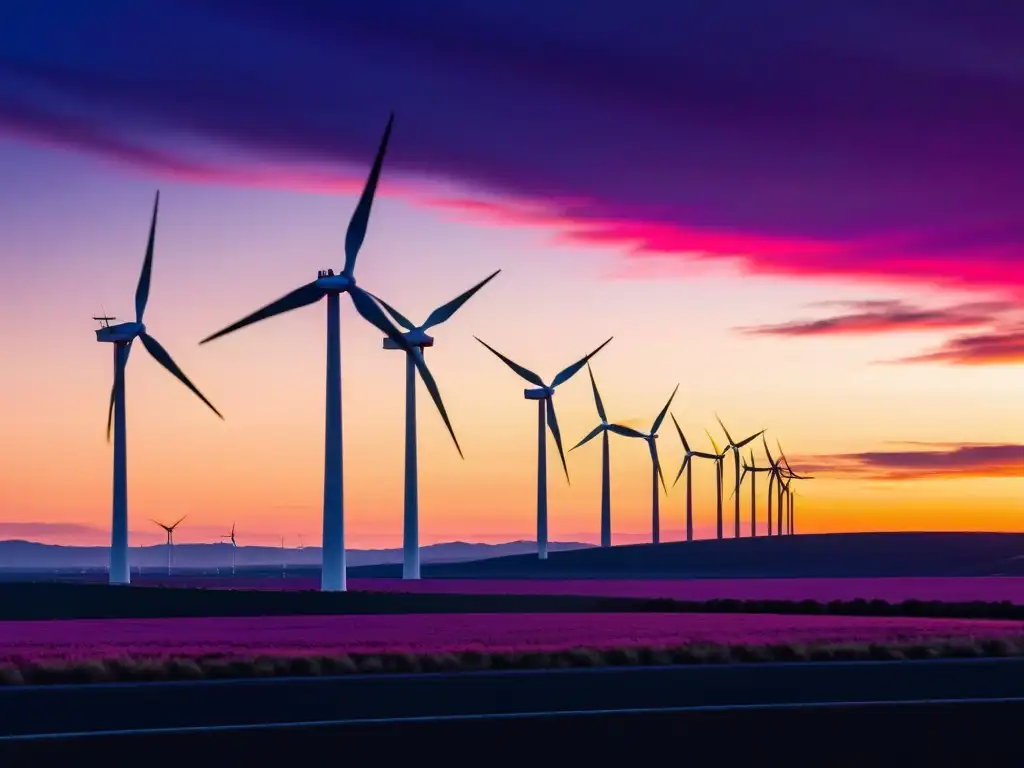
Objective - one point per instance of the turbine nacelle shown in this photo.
(540, 393)
(416, 338)
(327, 281)
(120, 333)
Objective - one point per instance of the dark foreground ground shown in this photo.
(43, 600)
(905, 713)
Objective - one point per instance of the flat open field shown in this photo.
(892, 590)
(436, 633)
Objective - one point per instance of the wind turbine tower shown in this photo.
(234, 547)
(735, 447)
(656, 474)
(603, 429)
(752, 469)
(122, 336)
(718, 457)
(687, 465)
(331, 286)
(416, 337)
(545, 415)
(774, 478)
(170, 540)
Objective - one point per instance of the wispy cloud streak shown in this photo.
(942, 460)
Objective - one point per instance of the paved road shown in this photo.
(91, 708)
(958, 733)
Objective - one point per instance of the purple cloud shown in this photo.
(868, 140)
(942, 460)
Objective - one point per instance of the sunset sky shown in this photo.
(810, 219)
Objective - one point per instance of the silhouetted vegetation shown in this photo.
(50, 600)
(213, 666)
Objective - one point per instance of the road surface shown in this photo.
(55, 709)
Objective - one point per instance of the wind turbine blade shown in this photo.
(401, 319)
(553, 426)
(742, 443)
(782, 455)
(525, 373)
(300, 297)
(142, 289)
(767, 452)
(739, 483)
(597, 396)
(714, 445)
(118, 379)
(159, 523)
(175, 525)
(445, 311)
(590, 436)
(661, 416)
(361, 216)
(161, 356)
(705, 455)
(682, 468)
(686, 445)
(618, 429)
(374, 315)
(727, 435)
(568, 373)
(657, 464)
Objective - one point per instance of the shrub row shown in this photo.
(214, 666)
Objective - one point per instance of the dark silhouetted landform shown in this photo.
(809, 556)
(32, 556)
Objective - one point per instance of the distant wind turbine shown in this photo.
(333, 572)
(656, 474)
(234, 547)
(170, 539)
(687, 465)
(774, 478)
(417, 338)
(545, 413)
(790, 475)
(733, 446)
(603, 429)
(752, 469)
(122, 336)
(719, 479)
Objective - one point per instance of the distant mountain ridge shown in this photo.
(30, 555)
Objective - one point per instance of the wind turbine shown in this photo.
(774, 477)
(603, 429)
(753, 469)
(332, 286)
(545, 412)
(122, 336)
(170, 539)
(719, 477)
(688, 466)
(733, 446)
(791, 475)
(656, 475)
(416, 337)
(234, 546)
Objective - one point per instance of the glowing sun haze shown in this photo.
(810, 218)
